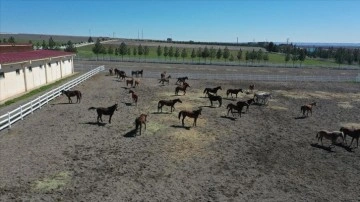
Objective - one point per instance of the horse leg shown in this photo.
(195, 121)
(183, 120)
(351, 142)
(110, 118)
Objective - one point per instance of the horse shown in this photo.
(170, 103)
(70, 94)
(212, 90)
(182, 88)
(111, 71)
(105, 111)
(118, 72)
(131, 82)
(134, 96)
(137, 73)
(214, 98)
(192, 114)
(122, 75)
(139, 121)
(136, 83)
(251, 87)
(232, 107)
(307, 108)
(162, 75)
(246, 103)
(163, 80)
(329, 135)
(354, 133)
(233, 91)
(262, 98)
(181, 80)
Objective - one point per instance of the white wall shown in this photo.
(13, 84)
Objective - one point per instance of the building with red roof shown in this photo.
(23, 69)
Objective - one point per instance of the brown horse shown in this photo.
(214, 98)
(139, 121)
(170, 103)
(181, 88)
(212, 90)
(162, 75)
(329, 135)
(70, 94)
(134, 96)
(233, 91)
(192, 114)
(354, 133)
(232, 107)
(163, 80)
(307, 108)
(246, 103)
(252, 87)
(111, 71)
(105, 111)
(131, 82)
(181, 80)
(136, 83)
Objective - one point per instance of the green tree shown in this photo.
(212, 54)
(205, 53)
(302, 56)
(44, 46)
(340, 56)
(177, 53)
(247, 57)
(287, 58)
(259, 55)
(146, 51)
(129, 52)
(110, 51)
(70, 47)
(239, 55)
(171, 52)
(199, 53)
(4, 40)
(166, 52)
(183, 54)
(52, 43)
(193, 55)
(349, 57)
(37, 45)
(90, 40)
(226, 53)
(134, 51)
(11, 39)
(253, 56)
(140, 51)
(159, 51)
(97, 48)
(266, 57)
(122, 50)
(103, 51)
(219, 54)
(231, 59)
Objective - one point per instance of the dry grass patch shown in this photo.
(278, 107)
(52, 183)
(345, 105)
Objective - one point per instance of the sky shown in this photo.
(313, 21)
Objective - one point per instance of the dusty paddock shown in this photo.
(60, 153)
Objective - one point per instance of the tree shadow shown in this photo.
(316, 145)
(228, 117)
(94, 123)
(180, 126)
(131, 133)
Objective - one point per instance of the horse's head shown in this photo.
(178, 100)
(241, 90)
(131, 91)
(62, 91)
(116, 106)
(186, 85)
(313, 104)
(219, 87)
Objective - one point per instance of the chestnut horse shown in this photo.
(329, 135)
(70, 94)
(139, 121)
(233, 91)
(181, 88)
(131, 82)
(134, 96)
(214, 98)
(105, 111)
(307, 108)
(192, 114)
(170, 103)
(354, 133)
(212, 90)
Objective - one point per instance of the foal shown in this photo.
(170, 103)
(134, 96)
(139, 121)
(212, 90)
(214, 98)
(182, 88)
(192, 114)
(70, 94)
(329, 135)
(233, 91)
(307, 108)
(354, 133)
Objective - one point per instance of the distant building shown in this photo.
(23, 69)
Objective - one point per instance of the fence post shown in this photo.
(9, 119)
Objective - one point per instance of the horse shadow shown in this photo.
(316, 145)
(161, 113)
(131, 133)
(95, 123)
(228, 117)
(209, 106)
(347, 148)
(126, 88)
(300, 117)
(63, 103)
(180, 126)
(127, 103)
(231, 99)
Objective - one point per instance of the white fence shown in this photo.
(19, 113)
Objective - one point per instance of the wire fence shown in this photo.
(19, 113)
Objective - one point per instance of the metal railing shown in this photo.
(23, 110)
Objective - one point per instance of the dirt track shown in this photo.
(62, 153)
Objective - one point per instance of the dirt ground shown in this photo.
(61, 153)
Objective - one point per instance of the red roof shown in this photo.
(31, 55)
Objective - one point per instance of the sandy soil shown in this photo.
(61, 153)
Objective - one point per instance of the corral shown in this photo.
(62, 153)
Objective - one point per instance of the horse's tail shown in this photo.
(92, 108)
(205, 90)
(227, 92)
(180, 114)
(159, 105)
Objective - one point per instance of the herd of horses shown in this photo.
(259, 98)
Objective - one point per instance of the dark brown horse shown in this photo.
(231, 107)
(192, 114)
(139, 121)
(162, 75)
(181, 88)
(163, 80)
(181, 80)
(354, 133)
(212, 90)
(233, 91)
(131, 82)
(105, 111)
(252, 87)
(246, 103)
(134, 96)
(70, 94)
(111, 71)
(307, 108)
(214, 98)
(170, 103)
(137, 73)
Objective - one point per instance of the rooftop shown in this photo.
(15, 57)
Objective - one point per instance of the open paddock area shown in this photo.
(61, 152)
